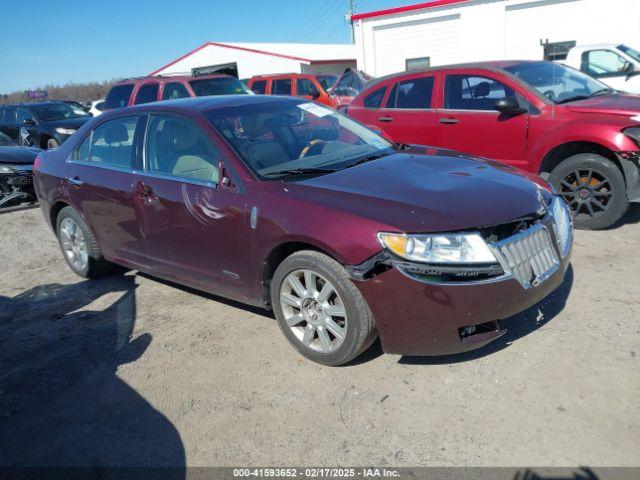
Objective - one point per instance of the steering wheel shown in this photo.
(314, 147)
(550, 94)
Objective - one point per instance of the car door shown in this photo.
(195, 228)
(469, 122)
(607, 66)
(408, 115)
(101, 187)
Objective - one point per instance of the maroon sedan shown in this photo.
(286, 204)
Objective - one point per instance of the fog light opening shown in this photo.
(469, 333)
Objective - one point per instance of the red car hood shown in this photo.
(614, 104)
(414, 192)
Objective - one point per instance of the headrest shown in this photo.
(483, 89)
(116, 134)
(254, 125)
(180, 135)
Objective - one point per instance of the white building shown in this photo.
(444, 32)
(245, 60)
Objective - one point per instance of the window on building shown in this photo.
(557, 50)
(468, 92)
(374, 99)
(174, 90)
(147, 93)
(259, 87)
(604, 63)
(282, 86)
(417, 63)
(414, 93)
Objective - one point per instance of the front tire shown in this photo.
(52, 143)
(319, 309)
(594, 189)
(79, 247)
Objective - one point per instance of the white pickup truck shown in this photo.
(618, 66)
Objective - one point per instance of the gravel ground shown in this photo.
(130, 370)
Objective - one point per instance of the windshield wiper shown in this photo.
(602, 91)
(597, 93)
(300, 171)
(368, 158)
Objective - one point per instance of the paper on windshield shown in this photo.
(316, 110)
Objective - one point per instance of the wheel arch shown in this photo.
(277, 255)
(565, 150)
(55, 210)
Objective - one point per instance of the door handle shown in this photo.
(385, 119)
(449, 121)
(145, 193)
(75, 181)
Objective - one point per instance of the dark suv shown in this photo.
(42, 124)
(135, 91)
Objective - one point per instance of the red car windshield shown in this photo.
(282, 138)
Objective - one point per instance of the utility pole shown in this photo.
(352, 11)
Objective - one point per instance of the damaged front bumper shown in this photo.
(16, 185)
(424, 311)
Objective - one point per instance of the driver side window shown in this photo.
(176, 147)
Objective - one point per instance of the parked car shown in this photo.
(97, 107)
(78, 107)
(286, 204)
(16, 165)
(541, 117)
(297, 84)
(136, 91)
(42, 124)
(616, 65)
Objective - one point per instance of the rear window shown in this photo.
(219, 86)
(259, 86)
(147, 93)
(374, 100)
(281, 86)
(414, 93)
(118, 96)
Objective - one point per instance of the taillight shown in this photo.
(36, 162)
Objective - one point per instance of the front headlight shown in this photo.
(442, 248)
(6, 169)
(633, 133)
(65, 131)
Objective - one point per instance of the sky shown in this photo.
(95, 40)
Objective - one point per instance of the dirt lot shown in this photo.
(130, 370)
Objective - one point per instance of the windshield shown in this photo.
(327, 81)
(630, 51)
(57, 111)
(292, 137)
(6, 141)
(219, 86)
(557, 82)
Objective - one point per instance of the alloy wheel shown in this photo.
(313, 310)
(587, 192)
(74, 244)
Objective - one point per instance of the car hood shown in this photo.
(418, 192)
(18, 155)
(69, 122)
(614, 104)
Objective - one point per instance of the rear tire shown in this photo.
(79, 246)
(322, 314)
(594, 188)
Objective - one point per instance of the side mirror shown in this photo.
(509, 106)
(315, 95)
(629, 69)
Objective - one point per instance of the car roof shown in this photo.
(495, 66)
(207, 103)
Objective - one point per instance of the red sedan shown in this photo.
(538, 116)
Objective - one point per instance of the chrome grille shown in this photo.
(529, 256)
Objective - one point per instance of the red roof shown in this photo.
(406, 8)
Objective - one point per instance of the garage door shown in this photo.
(436, 38)
(526, 24)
